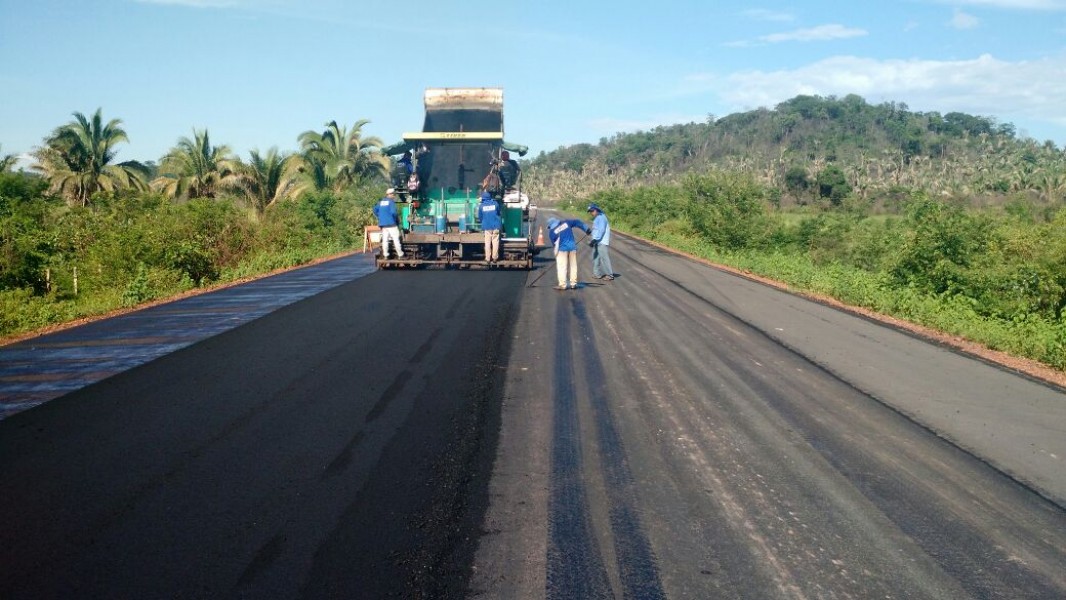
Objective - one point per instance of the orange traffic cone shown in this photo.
(540, 236)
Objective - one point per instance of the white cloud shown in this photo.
(815, 34)
(962, 20)
(24, 161)
(984, 86)
(1012, 4)
(194, 3)
(762, 14)
(250, 4)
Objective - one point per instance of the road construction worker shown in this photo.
(423, 168)
(600, 241)
(488, 213)
(509, 171)
(388, 220)
(561, 234)
(402, 170)
(406, 164)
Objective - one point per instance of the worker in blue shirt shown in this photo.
(600, 241)
(561, 233)
(488, 213)
(388, 220)
(406, 164)
(402, 170)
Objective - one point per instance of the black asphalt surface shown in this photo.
(681, 432)
(41, 368)
(678, 432)
(336, 448)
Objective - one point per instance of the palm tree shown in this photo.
(337, 158)
(194, 168)
(77, 157)
(7, 162)
(1051, 185)
(267, 179)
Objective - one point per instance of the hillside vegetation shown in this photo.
(950, 221)
(813, 150)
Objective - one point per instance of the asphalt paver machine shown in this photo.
(439, 174)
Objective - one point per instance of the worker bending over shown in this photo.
(561, 234)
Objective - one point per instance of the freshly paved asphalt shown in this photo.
(679, 432)
(682, 432)
(338, 446)
(39, 369)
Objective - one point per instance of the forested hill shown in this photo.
(877, 150)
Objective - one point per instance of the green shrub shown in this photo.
(727, 209)
(139, 290)
(833, 185)
(192, 259)
(129, 248)
(25, 247)
(944, 243)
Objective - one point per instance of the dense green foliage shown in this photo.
(132, 247)
(89, 235)
(996, 278)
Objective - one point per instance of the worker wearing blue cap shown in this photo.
(488, 213)
(561, 234)
(600, 240)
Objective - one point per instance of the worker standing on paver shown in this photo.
(561, 234)
(385, 211)
(488, 213)
(600, 241)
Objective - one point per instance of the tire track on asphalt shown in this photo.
(944, 431)
(636, 560)
(947, 533)
(575, 567)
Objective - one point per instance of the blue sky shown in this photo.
(257, 73)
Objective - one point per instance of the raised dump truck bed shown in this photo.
(460, 153)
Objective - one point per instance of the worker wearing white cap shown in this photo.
(488, 213)
(385, 210)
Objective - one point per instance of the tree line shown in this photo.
(78, 160)
(813, 150)
(134, 231)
